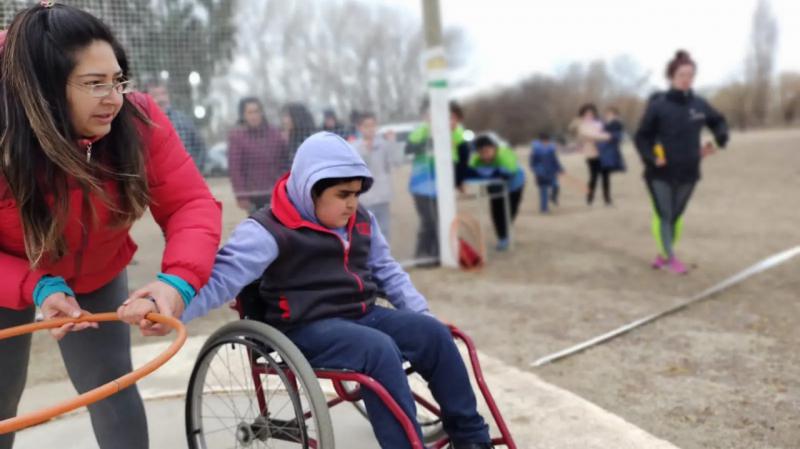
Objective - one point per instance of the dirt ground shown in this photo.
(724, 373)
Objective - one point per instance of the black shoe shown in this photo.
(471, 446)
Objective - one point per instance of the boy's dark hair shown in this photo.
(454, 106)
(456, 110)
(484, 141)
(424, 105)
(366, 115)
(544, 135)
(326, 183)
(586, 108)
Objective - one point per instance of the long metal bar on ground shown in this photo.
(763, 265)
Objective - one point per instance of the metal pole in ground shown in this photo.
(770, 262)
(436, 68)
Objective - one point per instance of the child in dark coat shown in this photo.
(546, 167)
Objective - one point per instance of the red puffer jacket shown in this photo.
(190, 218)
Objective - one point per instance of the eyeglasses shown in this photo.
(102, 90)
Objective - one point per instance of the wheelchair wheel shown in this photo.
(429, 422)
(252, 387)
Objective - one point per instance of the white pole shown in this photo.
(770, 262)
(436, 68)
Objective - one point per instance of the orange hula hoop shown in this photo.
(101, 392)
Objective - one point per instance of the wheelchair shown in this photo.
(252, 387)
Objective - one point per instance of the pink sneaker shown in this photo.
(676, 266)
(659, 262)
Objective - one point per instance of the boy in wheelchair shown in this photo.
(316, 261)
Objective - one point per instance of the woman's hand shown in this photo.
(59, 305)
(166, 300)
(708, 150)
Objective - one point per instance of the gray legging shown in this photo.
(670, 200)
(92, 357)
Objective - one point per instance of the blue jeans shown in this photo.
(548, 191)
(376, 344)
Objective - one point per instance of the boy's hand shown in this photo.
(59, 305)
(244, 204)
(133, 311)
(660, 162)
(167, 301)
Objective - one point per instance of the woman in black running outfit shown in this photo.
(668, 141)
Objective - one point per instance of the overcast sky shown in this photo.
(514, 38)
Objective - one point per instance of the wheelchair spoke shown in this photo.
(221, 387)
(257, 399)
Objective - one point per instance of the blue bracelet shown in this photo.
(187, 291)
(48, 285)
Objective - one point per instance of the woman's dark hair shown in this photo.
(39, 155)
(243, 105)
(586, 108)
(301, 118)
(355, 117)
(681, 58)
(330, 114)
(326, 183)
(302, 123)
(483, 141)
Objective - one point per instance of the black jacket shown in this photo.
(315, 276)
(675, 119)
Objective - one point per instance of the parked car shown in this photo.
(216, 163)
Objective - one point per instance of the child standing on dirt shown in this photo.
(422, 182)
(381, 155)
(315, 234)
(546, 167)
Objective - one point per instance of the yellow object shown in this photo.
(658, 150)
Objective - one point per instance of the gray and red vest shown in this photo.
(316, 275)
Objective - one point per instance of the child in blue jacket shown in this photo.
(546, 167)
(319, 259)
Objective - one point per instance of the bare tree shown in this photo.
(761, 60)
(344, 54)
(732, 101)
(543, 103)
(789, 96)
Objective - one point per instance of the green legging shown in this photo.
(669, 203)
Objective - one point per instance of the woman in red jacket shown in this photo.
(81, 158)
